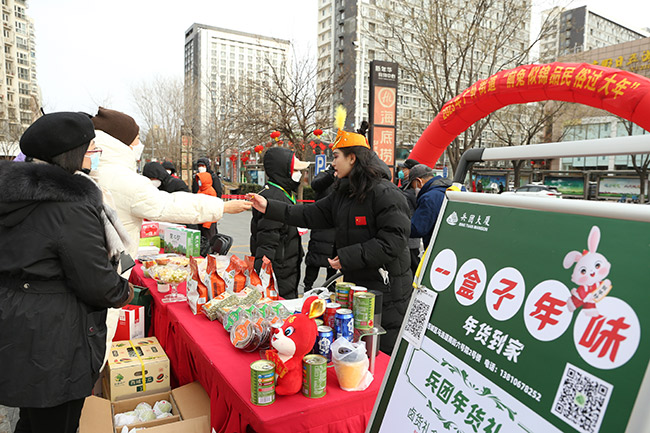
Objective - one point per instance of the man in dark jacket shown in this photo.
(409, 193)
(430, 192)
(321, 241)
(157, 172)
(278, 241)
(170, 167)
(203, 165)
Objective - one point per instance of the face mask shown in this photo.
(137, 150)
(296, 176)
(156, 182)
(169, 171)
(400, 175)
(94, 161)
(202, 169)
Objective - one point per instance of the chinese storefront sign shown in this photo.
(383, 110)
(537, 326)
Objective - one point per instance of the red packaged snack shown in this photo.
(267, 278)
(197, 292)
(216, 284)
(149, 229)
(252, 279)
(234, 276)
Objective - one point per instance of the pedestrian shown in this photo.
(430, 192)
(413, 242)
(203, 166)
(278, 240)
(162, 179)
(171, 168)
(321, 241)
(371, 219)
(209, 228)
(57, 245)
(134, 196)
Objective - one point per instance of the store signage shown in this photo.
(383, 110)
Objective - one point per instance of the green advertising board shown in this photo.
(526, 320)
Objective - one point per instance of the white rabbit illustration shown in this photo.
(589, 273)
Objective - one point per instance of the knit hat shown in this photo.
(55, 133)
(116, 124)
(409, 163)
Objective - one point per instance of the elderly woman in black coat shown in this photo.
(56, 277)
(371, 219)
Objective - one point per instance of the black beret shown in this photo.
(56, 133)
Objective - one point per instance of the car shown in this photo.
(534, 190)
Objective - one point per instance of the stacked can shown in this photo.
(343, 294)
(344, 324)
(324, 340)
(262, 382)
(353, 290)
(364, 310)
(329, 317)
(314, 376)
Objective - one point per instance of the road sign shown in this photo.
(321, 162)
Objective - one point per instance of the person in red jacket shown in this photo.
(208, 229)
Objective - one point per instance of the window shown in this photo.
(23, 73)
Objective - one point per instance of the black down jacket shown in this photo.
(216, 180)
(321, 241)
(168, 183)
(370, 235)
(56, 283)
(277, 240)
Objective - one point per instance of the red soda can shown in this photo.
(330, 314)
(353, 290)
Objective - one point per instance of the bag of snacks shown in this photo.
(197, 292)
(213, 279)
(234, 276)
(267, 278)
(252, 278)
(212, 307)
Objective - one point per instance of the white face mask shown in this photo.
(202, 169)
(169, 171)
(137, 150)
(296, 176)
(156, 182)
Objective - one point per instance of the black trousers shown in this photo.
(63, 418)
(311, 273)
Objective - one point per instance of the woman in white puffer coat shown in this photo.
(134, 196)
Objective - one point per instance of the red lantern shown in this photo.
(318, 132)
(331, 145)
(259, 148)
(275, 135)
(233, 158)
(312, 144)
(281, 142)
(322, 146)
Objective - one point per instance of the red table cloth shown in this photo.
(200, 350)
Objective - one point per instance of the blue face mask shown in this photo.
(400, 175)
(94, 161)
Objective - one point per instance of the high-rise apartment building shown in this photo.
(352, 33)
(217, 60)
(575, 30)
(19, 92)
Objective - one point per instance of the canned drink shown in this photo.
(353, 290)
(343, 294)
(364, 310)
(319, 322)
(314, 376)
(324, 341)
(344, 324)
(262, 382)
(329, 317)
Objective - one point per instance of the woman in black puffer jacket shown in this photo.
(371, 219)
(56, 277)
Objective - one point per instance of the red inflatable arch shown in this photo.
(620, 92)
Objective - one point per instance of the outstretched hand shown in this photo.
(258, 202)
(236, 206)
(335, 263)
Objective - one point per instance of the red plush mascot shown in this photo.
(291, 343)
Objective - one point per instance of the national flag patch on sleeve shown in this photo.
(360, 221)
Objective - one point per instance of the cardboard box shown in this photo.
(126, 362)
(190, 407)
(150, 242)
(162, 227)
(149, 229)
(182, 241)
(130, 324)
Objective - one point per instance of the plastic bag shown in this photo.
(351, 364)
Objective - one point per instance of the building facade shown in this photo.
(352, 33)
(216, 60)
(574, 30)
(20, 97)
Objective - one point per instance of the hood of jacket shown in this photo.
(205, 161)
(114, 152)
(437, 182)
(278, 164)
(155, 170)
(204, 180)
(24, 185)
(383, 167)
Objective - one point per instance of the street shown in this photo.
(238, 226)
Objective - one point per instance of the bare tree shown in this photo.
(160, 104)
(444, 46)
(639, 162)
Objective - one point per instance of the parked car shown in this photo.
(533, 190)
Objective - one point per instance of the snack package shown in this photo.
(197, 291)
(235, 277)
(215, 268)
(267, 278)
(351, 365)
(252, 278)
(212, 308)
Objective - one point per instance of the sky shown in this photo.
(92, 53)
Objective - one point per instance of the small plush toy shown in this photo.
(291, 343)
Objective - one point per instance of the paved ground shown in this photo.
(238, 226)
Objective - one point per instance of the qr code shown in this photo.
(581, 399)
(417, 319)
